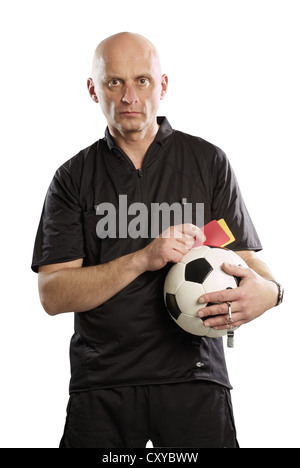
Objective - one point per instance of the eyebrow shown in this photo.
(119, 77)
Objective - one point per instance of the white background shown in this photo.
(234, 76)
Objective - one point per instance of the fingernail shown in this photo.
(201, 314)
(206, 324)
(202, 300)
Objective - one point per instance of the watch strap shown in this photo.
(280, 293)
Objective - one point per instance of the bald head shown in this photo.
(123, 45)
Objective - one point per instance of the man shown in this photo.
(135, 374)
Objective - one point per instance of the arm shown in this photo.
(255, 296)
(256, 264)
(67, 287)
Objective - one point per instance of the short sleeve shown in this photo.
(228, 203)
(60, 235)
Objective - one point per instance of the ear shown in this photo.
(164, 86)
(91, 90)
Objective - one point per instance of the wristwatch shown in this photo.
(280, 293)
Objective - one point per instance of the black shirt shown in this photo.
(131, 339)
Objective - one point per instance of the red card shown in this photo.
(215, 235)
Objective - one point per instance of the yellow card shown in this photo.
(224, 226)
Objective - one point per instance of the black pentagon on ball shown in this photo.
(172, 306)
(237, 280)
(198, 270)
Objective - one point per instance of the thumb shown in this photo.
(235, 270)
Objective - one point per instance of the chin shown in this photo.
(131, 126)
(132, 129)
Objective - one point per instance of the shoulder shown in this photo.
(67, 179)
(76, 164)
(201, 149)
(72, 170)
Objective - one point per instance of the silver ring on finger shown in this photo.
(230, 324)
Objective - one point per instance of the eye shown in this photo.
(144, 82)
(115, 83)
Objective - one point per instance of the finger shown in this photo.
(199, 235)
(236, 324)
(184, 238)
(187, 240)
(216, 310)
(193, 231)
(179, 232)
(235, 270)
(227, 295)
(182, 247)
(221, 322)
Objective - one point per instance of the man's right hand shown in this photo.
(170, 246)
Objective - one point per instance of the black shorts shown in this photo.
(195, 414)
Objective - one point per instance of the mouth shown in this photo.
(130, 113)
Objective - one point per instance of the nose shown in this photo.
(130, 95)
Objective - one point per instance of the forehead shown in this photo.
(127, 58)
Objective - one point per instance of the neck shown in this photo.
(135, 144)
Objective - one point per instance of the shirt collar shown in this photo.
(165, 130)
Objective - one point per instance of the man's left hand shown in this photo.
(250, 300)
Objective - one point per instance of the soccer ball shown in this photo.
(199, 272)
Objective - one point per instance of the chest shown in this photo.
(124, 209)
